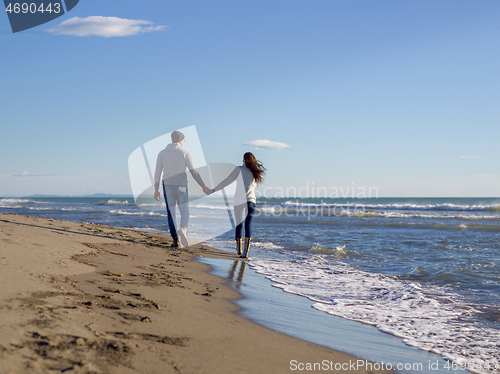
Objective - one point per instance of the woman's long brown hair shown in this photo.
(255, 166)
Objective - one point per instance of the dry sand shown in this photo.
(84, 298)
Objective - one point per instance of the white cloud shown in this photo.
(475, 157)
(26, 174)
(104, 26)
(267, 144)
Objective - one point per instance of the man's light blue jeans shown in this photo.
(176, 195)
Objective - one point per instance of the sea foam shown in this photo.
(430, 319)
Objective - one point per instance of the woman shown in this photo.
(248, 176)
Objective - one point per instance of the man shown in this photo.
(173, 161)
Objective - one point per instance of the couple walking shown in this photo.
(172, 163)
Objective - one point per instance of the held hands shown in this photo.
(157, 195)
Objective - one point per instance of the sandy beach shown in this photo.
(85, 298)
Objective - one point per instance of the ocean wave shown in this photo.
(470, 226)
(439, 226)
(475, 217)
(433, 320)
(125, 213)
(8, 202)
(147, 229)
(339, 252)
(115, 202)
(88, 209)
(394, 206)
(211, 207)
(266, 245)
(369, 211)
(269, 209)
(432, 221)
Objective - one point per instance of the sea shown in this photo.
(425, 270)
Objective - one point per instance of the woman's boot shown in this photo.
(247, 247)
(238, 246)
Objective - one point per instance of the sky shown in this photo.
(399, 98)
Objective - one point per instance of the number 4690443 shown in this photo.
(33, 8)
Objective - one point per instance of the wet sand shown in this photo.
(85, 298)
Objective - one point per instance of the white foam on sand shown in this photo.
(433, 320)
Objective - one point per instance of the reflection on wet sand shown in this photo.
(234, 268)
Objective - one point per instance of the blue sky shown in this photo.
(399, 95)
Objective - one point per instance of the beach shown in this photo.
(358, 131)
(88, 298)
(406, 281)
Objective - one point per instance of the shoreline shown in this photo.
(87, 298)
(293, 315)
